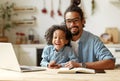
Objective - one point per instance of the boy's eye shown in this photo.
(55, 37)
(59, 37)
(62, 37)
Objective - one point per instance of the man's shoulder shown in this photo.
(68, 48)
(90, 35)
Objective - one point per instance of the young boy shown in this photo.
(58, 51)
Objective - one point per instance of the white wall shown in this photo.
(106, 15)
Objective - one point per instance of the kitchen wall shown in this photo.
(105, 15)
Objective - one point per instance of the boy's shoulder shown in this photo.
(48, 47)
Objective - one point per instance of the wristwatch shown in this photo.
(83, 65)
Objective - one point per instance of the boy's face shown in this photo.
(59, 39)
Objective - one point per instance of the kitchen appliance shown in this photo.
(114, 33)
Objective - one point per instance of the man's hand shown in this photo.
(72, 64)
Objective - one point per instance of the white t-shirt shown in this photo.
(75, 46)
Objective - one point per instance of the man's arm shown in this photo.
(103, 64)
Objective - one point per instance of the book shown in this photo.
(76, 70)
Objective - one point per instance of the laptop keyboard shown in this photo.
(31, 68)
(25, 68)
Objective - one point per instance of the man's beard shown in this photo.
(75, 33)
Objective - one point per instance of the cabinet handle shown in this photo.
(117, 50)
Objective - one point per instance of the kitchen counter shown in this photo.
(43, 45)
(113, 45)
(31, 45)
(52, 75)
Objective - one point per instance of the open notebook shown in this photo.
(8, 60)
(79, 70)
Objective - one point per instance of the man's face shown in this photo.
(74, 22)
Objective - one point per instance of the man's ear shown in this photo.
(83, 22)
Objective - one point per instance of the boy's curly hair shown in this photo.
(52, 29)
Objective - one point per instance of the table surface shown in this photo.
(52, 75)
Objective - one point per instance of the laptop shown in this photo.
(8, 60)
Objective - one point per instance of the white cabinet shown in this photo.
(116, 3)
(115, 50)
(16, 51)
(27, 54)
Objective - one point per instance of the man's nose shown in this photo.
(72, 23)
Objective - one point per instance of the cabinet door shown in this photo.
(39, 53)
(117, 55)
(16, 51)
(27, 56)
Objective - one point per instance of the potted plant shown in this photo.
(6, 12)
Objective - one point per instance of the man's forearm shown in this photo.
(103, 64)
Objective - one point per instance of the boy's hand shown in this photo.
(53, 65)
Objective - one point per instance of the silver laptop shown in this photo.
(8, 60)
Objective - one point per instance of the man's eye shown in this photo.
(69, 21)
(76, 20)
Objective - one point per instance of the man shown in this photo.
(90, 50)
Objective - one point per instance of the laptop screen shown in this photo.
(8, 59)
